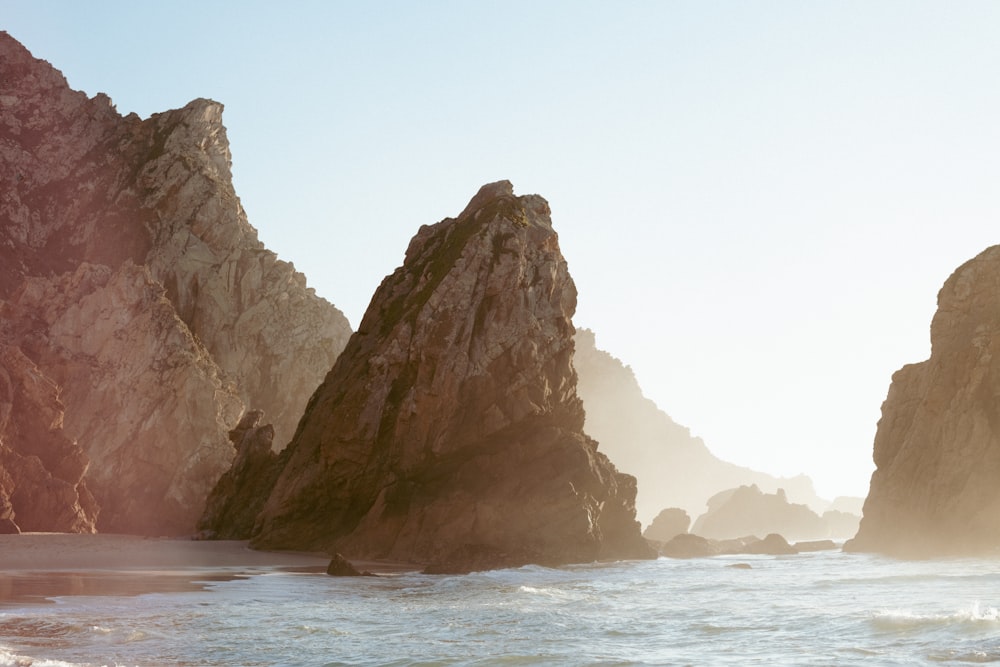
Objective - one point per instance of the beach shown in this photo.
(35, 567)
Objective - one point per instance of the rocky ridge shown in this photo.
(130, 275)
(937, 447)
(673, 468)
(449, 431)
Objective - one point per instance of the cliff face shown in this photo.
(450, 427)
(138, 285)
(937, 448)
(673, 468)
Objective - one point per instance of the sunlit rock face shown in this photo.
(41, 470)
(937, 449)
(450, 430)
(673, 468)
(187, 316)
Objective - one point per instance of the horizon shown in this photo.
(793, 184)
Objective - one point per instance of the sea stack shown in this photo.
(937, 448)
(132, 281)
(449, 431)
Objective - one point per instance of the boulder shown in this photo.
(688, 545)
(772, 545)
(341, 567)
(451, 419)
(668, 524)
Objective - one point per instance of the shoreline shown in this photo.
(35, 567)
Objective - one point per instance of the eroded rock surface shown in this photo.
(449, 431)
(185, 317)
(937, 448)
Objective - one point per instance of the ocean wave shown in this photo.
(898, 618)
(9, 658)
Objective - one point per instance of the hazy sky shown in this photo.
(758, 200)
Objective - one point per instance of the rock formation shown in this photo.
(749, 511)
(140, 288)
(449, 431)
(673, 468)
(667, 525)
(937, 447)
(41, 470)
(234, 503)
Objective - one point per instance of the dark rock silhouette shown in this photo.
(130, 276)
(341, 567)
(937, 448)
(449, 431)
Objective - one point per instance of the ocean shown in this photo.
(826, 608)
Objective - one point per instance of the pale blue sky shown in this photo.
(758, 200)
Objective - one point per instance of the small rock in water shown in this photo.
(740, 566)
(341, 567)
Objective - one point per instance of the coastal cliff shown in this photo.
(673, 467)
(130, 276)
(449, 431)
(937, 447)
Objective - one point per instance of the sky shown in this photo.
(758, 200)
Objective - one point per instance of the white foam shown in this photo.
(10, 659)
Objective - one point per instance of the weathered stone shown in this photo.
(234, 503)
(451, 420)
(668, 524)
(773, 545)
(937, 447)
(131, 214)
(41, 469)
(688, 545)
(747, 510)
(341, 567)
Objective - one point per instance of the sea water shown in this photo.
(826, 608)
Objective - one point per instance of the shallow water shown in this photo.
(825, 608)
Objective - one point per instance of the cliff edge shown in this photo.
(449, 430)
(937, 448)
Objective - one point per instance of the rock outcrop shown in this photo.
(182, 317)
(749, 511)
(937, 447)
(238, 497)
(673, 468)
(449, 431)
(667, 525)
(41, 470)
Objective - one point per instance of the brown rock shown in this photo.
(451, 420)
(234, 503)
(130, 213)
(773, 545)
(688, 545)
(668, 524)
(937, 448)
(41, 469)
(341, 567)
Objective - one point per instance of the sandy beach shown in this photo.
(35, 567)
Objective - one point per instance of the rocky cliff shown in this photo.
(673, 468)
(449, 431)
(937, 447)
(137, 284)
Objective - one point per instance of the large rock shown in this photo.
(667, 525)
(451, 425)
(937, 448)
(673, 468)
(749, 511)
(41, 470)
(185, 316)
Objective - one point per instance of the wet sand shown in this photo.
(35, 567)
